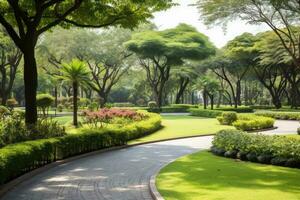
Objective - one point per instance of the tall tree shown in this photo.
(183, 75)
(26, 20)
(104, 53)
(158, 51)
(10, 57)
(75, 73)
(280, 15)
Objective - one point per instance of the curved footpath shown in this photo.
(115, 175)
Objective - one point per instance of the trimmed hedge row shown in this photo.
(242, 109)
(275, 150)
(173, 108)
(205, 112)
(280, 115)
(253, 122)
(20, 158)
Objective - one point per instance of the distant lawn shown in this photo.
(203, 176)
(293, 136)
(181, 126)
(65, 119)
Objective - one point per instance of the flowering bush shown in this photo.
(106, 116)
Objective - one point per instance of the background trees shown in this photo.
(25, 21)
(10, 58)
(159, 51)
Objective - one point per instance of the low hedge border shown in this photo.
(280, 115)
(253, 123)
(205, 113)
(242, 109)
(275, 150)
(18, 159)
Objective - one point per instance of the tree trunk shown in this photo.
(75, 108)
(211, 102)
(30, 83)
(204, 99)
(238, 92)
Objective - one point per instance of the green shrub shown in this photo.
(3, 112)
(122, 105)
(11, 103)
(227, 118)
(242, 109)
(280, 115)
(205, 112)
(44, 101)
(84, 102)
(93, 106)
(277, 150)
(20, 158)
(152, 104)
(60, 107)
(262, 107)
(252, 122)
(178, 108)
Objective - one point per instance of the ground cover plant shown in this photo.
(206, 176)
(275, 150)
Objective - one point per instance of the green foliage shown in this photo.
(258, 148)
(44, 101)
(3, 112)
(75, 71)
(280, 115)
(11, 103)
(253, 122)
(125, 104)
(23, 157)
(241, 109)
(152, 104)
(227, 118)
(182, 42)
(60, 107)
(205, 112)
(177, 108)
(13, 129)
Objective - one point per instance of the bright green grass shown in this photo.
(181, 126)
(65, 119)
(293, 136)
(203, 176)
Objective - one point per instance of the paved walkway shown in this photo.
(284, 127)
(117, 175)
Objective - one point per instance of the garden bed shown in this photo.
(17, 159)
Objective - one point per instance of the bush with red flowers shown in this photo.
(113, 115)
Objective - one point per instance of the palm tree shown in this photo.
(75, 73)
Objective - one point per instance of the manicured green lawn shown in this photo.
(294, 136)
(203, 176)
(181, 126)
(65, 119)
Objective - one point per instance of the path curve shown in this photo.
(116, 175)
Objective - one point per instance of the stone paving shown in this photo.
(118, 175)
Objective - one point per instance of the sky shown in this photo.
(184, 13)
